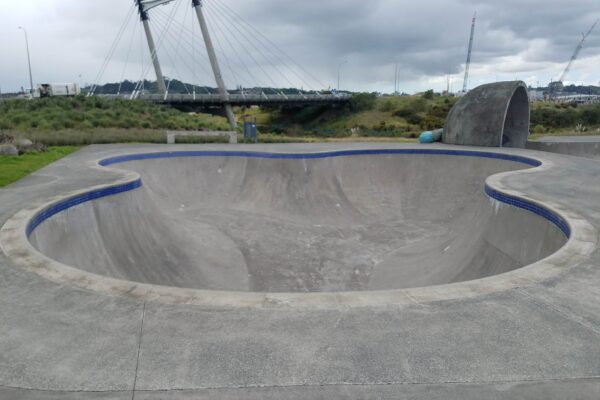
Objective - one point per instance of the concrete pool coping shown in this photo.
(97, 339)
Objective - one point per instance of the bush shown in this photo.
(539, 129)
(430, 122)
(387, 106)
(428, 94)
(362, 102)
(94, 112)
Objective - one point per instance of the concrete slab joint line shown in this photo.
(137, 362)
(581, 243)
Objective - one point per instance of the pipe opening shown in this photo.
(516, 123)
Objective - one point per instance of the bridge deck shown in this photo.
(242, 99)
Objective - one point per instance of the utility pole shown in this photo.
(144, 6)
(468, 65)
(28, 61)
(210, 49)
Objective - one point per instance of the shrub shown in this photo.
(430, 122)
(539, 129)
(387, 106)
(362, 102)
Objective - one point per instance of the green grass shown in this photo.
(393, 117)
(14, 168)
(82, 121)
(89, 113)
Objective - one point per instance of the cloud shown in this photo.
(524, 39)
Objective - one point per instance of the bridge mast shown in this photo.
(144, 6)
(197, 4)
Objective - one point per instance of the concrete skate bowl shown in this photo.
(240, 223)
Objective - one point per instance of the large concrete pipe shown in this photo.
(492, 115)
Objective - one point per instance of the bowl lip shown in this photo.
(14, 241)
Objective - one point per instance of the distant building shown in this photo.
(536, 95)
(556, 87)
(578, 98)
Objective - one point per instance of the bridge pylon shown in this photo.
(144, 6)
(214, 63)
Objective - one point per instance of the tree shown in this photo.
(428, 94)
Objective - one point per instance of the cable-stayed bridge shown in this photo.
(207, 41)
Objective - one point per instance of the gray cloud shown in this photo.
(530, 39)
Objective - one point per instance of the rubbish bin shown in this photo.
(250, 132)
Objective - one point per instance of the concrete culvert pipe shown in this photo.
(492, 115)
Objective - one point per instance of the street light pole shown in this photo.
(339, 71)
(28, 61)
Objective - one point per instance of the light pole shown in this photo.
(28, 61)
(339, 71)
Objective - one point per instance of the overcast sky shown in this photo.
(531, 40)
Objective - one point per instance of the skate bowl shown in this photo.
(233, 225)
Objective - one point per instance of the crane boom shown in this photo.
(576, 53)
(468, 65)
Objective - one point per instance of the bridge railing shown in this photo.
(238, 98)
(244, 98)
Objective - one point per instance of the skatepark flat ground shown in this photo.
(533, 338)
(581, 146)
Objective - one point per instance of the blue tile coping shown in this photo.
(551, 216)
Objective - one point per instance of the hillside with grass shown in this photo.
(87, 120)
(366, 115)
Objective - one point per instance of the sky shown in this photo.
(303, 43)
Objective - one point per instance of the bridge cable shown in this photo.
(133, 35)
(112, 49)
(194, 62)
(258, 64)
(267, 40)
(215, 27)
(273, 64)
(158, 46)
(163, 17)
(146, 69)
(219, 24)
(275, 46)
(269, 62)
(142, 53)
(171, 41)
(190, 41)
(177, 54)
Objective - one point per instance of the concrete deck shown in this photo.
(580, 146)
(533, 338)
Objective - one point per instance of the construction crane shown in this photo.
(558, 85)
(468, 66)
